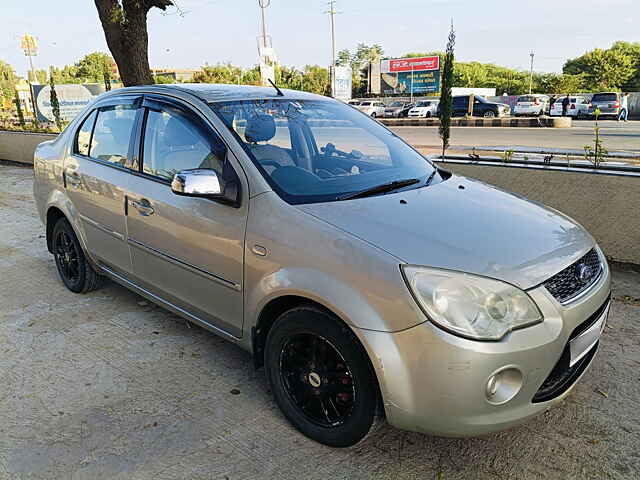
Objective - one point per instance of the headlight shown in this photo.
(471, 306)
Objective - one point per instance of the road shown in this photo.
(109, 386)
(616, 136)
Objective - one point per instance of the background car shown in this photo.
(481, 107)
(578, 106)
(531, 105)
(354, 103)
(424, 109)
(608, 103)
(373, 108)
(394, 109)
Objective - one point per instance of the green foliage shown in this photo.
(227, 73)
(609, 69)
(7, 81)
(596, 154)
(446, 99)
(40, 76)
(19, 112)
(55, 104)
(560, 83)
(91, 68)
(316, 80)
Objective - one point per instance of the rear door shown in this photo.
(186, 250)
(96, 174)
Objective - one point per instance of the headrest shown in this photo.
(260, 128)
(177, 134)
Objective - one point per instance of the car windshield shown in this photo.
(423, 104)
(396, 104)
(320, 150)
(604, 97)
(526, 99)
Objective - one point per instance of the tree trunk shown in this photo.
(125, 29)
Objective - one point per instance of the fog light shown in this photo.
(503, 385)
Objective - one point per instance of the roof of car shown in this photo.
(213, 92)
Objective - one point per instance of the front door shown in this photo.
(188, 251)
(96, 174)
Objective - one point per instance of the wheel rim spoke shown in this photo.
(317, 379)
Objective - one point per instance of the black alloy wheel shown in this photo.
(321, 376)
(317, 379)
(76, 272)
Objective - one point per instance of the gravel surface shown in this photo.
(109, 386)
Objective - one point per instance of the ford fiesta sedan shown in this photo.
(364, 278)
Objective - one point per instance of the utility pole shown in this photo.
(531, 73)
(263, 6)
(332, 12)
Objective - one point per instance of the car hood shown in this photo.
(464, 225)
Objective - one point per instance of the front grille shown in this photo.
(568, 283)
(563, 376)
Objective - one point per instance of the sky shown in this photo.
(493, 31)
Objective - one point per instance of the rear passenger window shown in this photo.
(112, 134)
(172, 143)
(84, 135)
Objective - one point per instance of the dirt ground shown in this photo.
(109, 386)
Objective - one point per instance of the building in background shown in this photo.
(175, 75)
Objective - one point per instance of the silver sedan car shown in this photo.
(366, 280)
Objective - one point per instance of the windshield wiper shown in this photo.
(385, 187)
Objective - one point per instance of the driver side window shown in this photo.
(173, 143)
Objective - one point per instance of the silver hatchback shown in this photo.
(365, 279)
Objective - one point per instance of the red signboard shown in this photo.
(418, 64)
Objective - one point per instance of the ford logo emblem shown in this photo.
(584, 273)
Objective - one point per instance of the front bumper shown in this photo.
(435, 382)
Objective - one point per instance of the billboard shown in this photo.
(417, 75)
(411, 82)
(343, 83)
(417, 64)
(71, 97)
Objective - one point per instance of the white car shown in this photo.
(578, 106)
(424, 109)
(531, 105)
(373, 108)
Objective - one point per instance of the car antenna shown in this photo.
(277, 89)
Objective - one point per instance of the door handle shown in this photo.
(143, 206)
(72, 177)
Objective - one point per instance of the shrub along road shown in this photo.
(109, 386)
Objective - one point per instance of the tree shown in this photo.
(560, 83)
(91, 68)
(55, 104)
(316, 80)
(19, 108)
(7, 80)
(40, 76)
(603, 69)
(125, 29)
(446, 98)
(288, 77)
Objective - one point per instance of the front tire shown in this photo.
(373, 114)
(489, 114)
(75, 271)
(321, 376)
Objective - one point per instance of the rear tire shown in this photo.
(75, 271)
(321, 376)
(373, 114)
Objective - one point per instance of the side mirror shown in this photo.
(201, 182)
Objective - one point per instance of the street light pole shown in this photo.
(412, 83)
(332, 12)
(531, 73)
